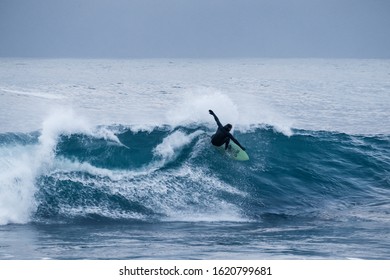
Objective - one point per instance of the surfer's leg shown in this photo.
(227, 144)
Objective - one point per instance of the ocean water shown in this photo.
(111, 159)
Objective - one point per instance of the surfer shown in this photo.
(223, 135)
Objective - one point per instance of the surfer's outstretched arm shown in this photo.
(216, 118)
(235, 141)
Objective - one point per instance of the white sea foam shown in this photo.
(194, 105)
(20, 165)
(17, 173)
(244, 114)
(174, 142)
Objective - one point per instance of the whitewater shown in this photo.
(111, 159)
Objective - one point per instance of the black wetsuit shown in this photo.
(222, 136)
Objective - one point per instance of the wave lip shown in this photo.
(27, 157)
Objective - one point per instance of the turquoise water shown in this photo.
(120, 166)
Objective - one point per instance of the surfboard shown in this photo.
(234, 152)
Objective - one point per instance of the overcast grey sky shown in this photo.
(195, 28)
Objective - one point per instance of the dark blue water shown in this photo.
(168, 194)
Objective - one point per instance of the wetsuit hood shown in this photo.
(228, 127)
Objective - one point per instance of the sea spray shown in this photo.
(244, 112)
(171, 145)
(17, 184)
(22, 164)
(194, 105)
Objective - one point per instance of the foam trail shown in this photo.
(172, 144)
(108, 135)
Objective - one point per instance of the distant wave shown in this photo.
(31, 93)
